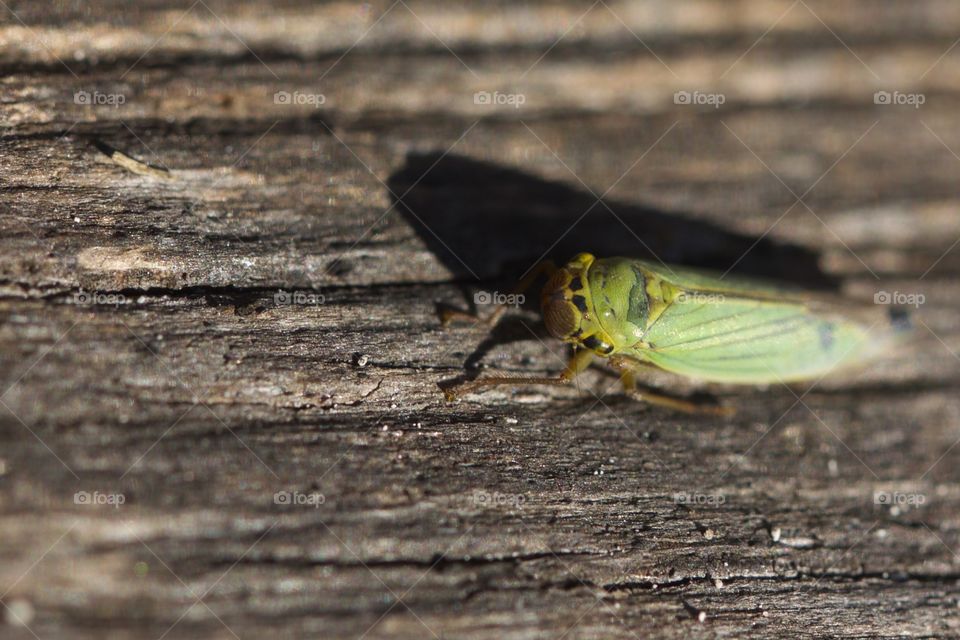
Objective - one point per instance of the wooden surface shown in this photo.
(147, 356)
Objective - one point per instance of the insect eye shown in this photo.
(558, 314)
(561, 318)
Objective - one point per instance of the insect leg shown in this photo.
(627, 368)
(544, 267)
(578, 362)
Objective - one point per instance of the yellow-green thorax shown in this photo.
(602, 305)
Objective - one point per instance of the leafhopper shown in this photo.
(636, 313)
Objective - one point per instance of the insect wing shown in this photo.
(740, 333)
(750, 341)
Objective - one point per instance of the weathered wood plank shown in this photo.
(150, 354)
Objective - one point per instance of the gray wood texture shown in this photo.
(220, 414)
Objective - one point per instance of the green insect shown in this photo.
(636, 313)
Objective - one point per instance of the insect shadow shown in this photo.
(489, 223)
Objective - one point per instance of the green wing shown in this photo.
(752, 333)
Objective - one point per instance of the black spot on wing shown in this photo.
(900, 319)
(580, 303)
(825, 331)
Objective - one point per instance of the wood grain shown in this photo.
(235, 335)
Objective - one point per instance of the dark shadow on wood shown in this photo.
(510, 329)
(490, 221)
